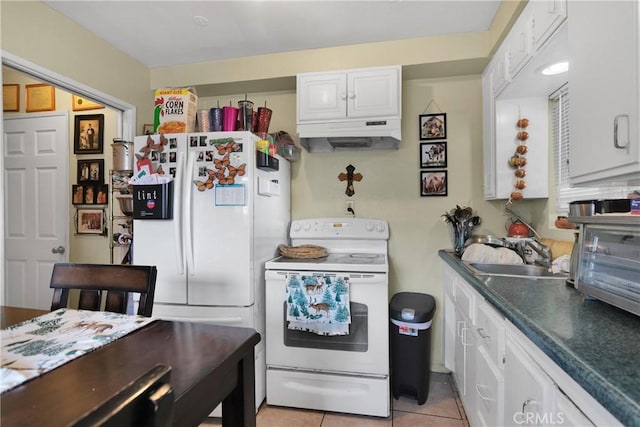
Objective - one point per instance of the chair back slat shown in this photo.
(114, 281)
(90, 300)
(116, 301)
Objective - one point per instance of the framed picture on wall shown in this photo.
(433, 155)
(89, 194)
(88, 134)
(80, 104)
(433, 183)
(40, 97)
(433, 126)
(10, 97)
(90, 221)
(91, 171)
(102, 194)
(77, 194)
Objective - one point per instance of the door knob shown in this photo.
(59, 250)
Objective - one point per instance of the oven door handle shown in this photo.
(353, 277)
(364, 278)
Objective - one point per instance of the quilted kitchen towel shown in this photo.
(318, 303)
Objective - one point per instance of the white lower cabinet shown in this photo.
(459, 336)
(568, 414)
(528, 391)
(465, 362)
(489, 389)
(503, 378)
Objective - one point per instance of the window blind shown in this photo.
(565, 193)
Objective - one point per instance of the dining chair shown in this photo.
(94, 280)
(145, 402)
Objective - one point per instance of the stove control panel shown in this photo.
(337, 228)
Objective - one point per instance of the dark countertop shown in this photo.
(596, 344)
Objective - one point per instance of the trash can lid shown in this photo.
(412, 307)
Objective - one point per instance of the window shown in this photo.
(565, 193)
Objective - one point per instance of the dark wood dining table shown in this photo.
(209, 365)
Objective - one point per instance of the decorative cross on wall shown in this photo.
(350, 177)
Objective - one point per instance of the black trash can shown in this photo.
(410, 341)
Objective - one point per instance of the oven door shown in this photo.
(365, 350)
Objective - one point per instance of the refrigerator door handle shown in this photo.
(177, 220)
(188, 214)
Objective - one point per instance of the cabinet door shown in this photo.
(465, 362)
(567, 414)
(508, 111)
(373, 93)
(458, 368)
(490, 331)
(322, 96)
(604, 90)
(449, 333)
(527, 389)
(500, 70)
(488, 390)
(520, 43)
(547, 17)
(488, 135)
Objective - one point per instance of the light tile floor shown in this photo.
(442, 409)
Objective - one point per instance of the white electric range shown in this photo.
(343, 373)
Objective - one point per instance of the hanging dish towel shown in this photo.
(318, 303)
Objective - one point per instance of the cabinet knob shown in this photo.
(527, 403)
(483, 334)
(479, 387)
(343, 96)
(352, 95)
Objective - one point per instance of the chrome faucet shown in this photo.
(543, 251)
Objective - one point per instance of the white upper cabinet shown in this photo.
(514, 88)
(499, 70)
(488, 135)
(604, 87)
(520, 43)
(322, 96)
(360, 93)
(547, 15)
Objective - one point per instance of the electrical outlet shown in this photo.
(350, 207)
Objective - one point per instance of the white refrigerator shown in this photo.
(231, 210)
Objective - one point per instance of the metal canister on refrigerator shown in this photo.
(122, 154)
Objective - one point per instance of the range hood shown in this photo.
(350, 135)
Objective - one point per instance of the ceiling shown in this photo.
(169, 33)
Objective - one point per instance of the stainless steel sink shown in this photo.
(517, 270)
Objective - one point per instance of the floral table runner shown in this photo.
(36, 346)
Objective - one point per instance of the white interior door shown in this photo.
(36, 198)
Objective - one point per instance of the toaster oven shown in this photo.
(609, 259)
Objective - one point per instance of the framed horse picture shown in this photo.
(433, 183)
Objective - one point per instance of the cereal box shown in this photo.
(174, 111)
